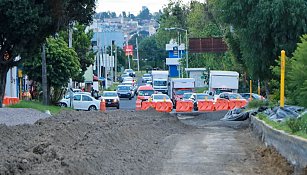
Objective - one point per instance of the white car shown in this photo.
(160, 98)
(81, 101)
(127, 79)
(111, 99)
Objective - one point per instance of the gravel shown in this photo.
(15, 116)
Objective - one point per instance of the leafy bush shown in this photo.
(257, 103)
(297, 125)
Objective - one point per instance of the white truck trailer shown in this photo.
(223, 81)
(160, 81)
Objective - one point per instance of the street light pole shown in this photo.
(186, 48)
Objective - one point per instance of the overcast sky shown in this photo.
(132, 6)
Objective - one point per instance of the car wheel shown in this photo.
(117, 106)
(63, 105)
(130, 98)
(92, 108)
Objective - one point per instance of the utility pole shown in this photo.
(111, 69)
(44, 75)
(137, 53)
(115, 64)
(71, 95)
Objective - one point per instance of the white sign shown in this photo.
(172, 61)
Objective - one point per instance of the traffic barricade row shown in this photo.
(184, 106)
(10, 101)
(158, 106)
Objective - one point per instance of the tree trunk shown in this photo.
(267, 91)
(3, 72)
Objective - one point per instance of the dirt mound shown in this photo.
(115, 142)
(274, 161)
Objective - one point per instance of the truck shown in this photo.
(179, 86)
(160, 81)
(223, 81)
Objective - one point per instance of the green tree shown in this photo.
(264, 28)
(82, 45)
(144, 14)
(62, 63)
(25, 24)
(150, 54)
(298, 75)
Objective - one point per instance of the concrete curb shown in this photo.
(293, 148)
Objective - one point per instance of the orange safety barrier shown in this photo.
(237, 103)
(146, 105)
(221, 105)
(164, 106)
(184, 106)
(138, 105)
(102, 105)
(205, 105)
(10, 100)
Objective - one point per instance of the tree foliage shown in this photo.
(81, 42)
(62, 63)
(25, 24)
(144, 14)
(264, 28)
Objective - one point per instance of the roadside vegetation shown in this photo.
(293, 126)
(38, 106)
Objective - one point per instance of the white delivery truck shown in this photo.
(223, 81)
(160, 81)
(179, 86)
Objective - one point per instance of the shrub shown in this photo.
(257, 103)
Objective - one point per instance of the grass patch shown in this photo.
(296, 127)
(201, 89)
(38, 106)
(113, 87)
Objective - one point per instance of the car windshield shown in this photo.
(187, 95)
(161, 97)
(181, 92)
(123, 88)
(146, 75)
(109, 94)
(235, 96)
(125, 75)
(203, 97)
(160, 83)
(128, 70)
(146, 92)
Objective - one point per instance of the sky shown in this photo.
(132, 6)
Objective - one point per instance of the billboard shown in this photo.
(128, 50)
(211, 45)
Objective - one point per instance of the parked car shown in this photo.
(160, 98)
(125, 91)
(146, 77)
(144, 92)
(81, 101)
(230, 96)
(111, 99)
(196, 97)
(254, 96)
(130, 71)
(149, 83)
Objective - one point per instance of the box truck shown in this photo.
(160, 81)
(223, 81)
(179, 86)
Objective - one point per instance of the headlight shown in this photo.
(115, 100)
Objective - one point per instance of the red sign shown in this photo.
(128, 50)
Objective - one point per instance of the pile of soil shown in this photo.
(115, 142)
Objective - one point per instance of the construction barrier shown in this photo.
(221, 105)
(164, 106)
(102, 105)
(138, 105)
(237, 103)
(184, 106)
(147, 104)
(10, 101)
(205, 105)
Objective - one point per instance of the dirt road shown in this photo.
(129, 142)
